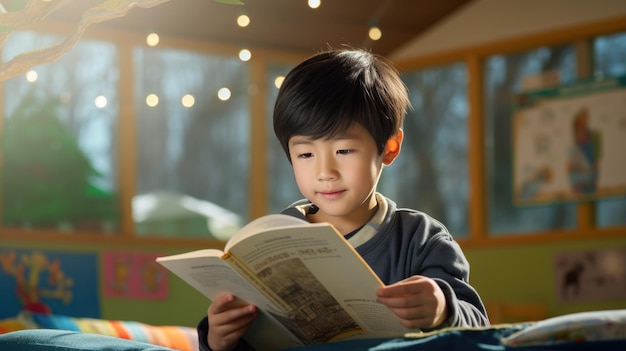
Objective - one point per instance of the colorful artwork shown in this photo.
(568, 143)
(134, 275)
(48, 282)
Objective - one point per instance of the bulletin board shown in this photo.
(569, 142)
(590, 275)
(134, 275)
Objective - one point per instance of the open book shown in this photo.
(308, 282)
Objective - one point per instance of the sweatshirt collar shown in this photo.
(368, 230)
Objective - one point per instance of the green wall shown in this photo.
(524, 273)
(519, 273)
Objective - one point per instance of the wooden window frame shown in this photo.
(581, 37)
(478, 235)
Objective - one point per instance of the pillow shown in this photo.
(576, 327)
(63, 340)
(175, 337)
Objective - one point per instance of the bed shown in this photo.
(594, 330)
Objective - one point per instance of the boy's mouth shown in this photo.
(331, 194)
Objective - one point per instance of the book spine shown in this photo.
(249, 276)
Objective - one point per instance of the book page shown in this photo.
(261, 224)
(210, 275)
(329, 288)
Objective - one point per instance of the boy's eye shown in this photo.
(305, 155)
(344, 151)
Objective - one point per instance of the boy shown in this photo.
(338, 116)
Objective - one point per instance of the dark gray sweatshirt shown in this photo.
(399, 243)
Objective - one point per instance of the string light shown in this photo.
(101, 101)
(314, 3)
(223, 94)
(375, 33)
(245, 55)
(279, 81)
(243, 21)
(31, 76)
(188, 100)
(152, 100)
(152, 39)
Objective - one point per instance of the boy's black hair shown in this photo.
(327, 93)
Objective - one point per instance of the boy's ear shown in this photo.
(392, 149)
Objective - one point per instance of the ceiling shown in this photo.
(288, 25)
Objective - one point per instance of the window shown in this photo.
(503, 77)
(610, 60)
(59, 139)
(62, 155)
(283, 189)
(192, 144)
(431, 173)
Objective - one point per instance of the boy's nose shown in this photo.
(326, 168)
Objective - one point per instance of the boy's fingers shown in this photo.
(221, 303)
(412, 285)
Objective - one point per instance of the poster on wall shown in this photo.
(45, 281)
(569, 142)
(134, 275)
(590, 275)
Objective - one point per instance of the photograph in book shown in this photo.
(315, 315)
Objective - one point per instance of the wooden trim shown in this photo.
(127, 153)
(171, 42)
(501, 312)
(52, 237)
(258, 140)
(585, 212)
(542, 237)
(43, 237)
(517, 44)
(478, 216)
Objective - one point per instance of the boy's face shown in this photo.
(339, 175)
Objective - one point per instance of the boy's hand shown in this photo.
(229, 318)
(417, 301)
